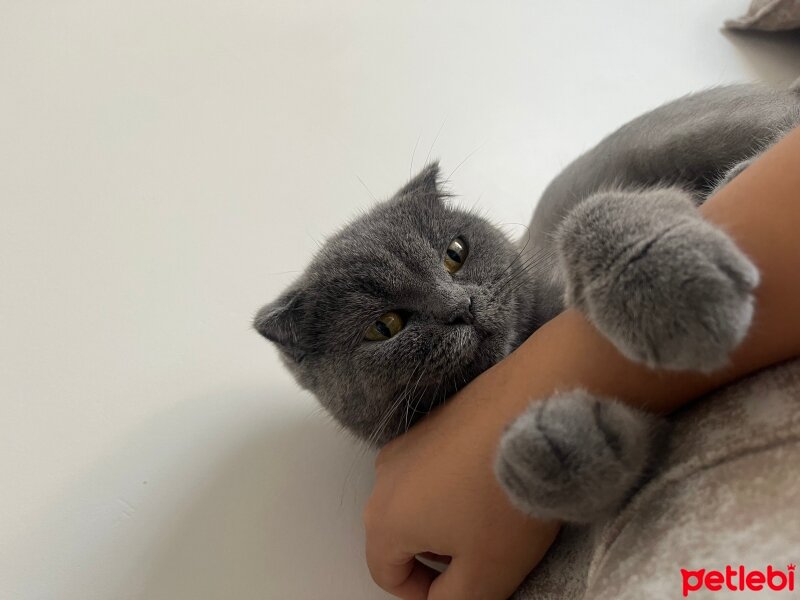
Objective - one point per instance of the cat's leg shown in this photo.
(575, 456)
(667, 287)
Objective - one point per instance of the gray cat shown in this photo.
(412, 300)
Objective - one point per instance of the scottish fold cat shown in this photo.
(409, 302)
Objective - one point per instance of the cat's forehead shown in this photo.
(400, 217)
(375, 256)
(385, 234)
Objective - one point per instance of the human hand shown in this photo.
(435, 492)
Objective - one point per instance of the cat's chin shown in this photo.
(475, 354)
(487, 352)
(473, 343)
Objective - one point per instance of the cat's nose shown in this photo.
(462, 313)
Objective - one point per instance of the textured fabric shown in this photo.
(769, 15)
(726, 492)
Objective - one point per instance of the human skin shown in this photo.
(435, 490)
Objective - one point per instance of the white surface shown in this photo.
(167, 167)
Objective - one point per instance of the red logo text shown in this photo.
(738, 579)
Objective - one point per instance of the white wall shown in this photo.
(168, 167)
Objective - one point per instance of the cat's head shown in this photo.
(399, 309)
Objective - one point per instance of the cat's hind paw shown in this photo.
(575, 456)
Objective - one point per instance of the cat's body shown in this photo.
(692, 142)
(423, 297)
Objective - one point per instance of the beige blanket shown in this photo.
(726, 493)
(769, 15)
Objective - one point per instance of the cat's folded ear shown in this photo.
(424, 186)
(279, 323)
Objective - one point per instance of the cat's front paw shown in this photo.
(668, 288)
(574, 456)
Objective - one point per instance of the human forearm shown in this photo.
(760, 210)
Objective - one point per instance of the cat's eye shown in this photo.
(388, 325)
(455, 255)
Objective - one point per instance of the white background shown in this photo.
(168, 167)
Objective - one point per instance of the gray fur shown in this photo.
(668, 288)
(562, 450)
(615, 234)
(392, 259)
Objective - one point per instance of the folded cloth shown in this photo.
(769, 15)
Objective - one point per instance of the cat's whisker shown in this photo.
(379, 429)
(514, 283)
(526, 266)
(415, 409)
(373, 438)
(408, 404)
(458, 166)
(435, 139)
(516, 258)
(515, 269)
(517, 286)
(475, 204)
(433, 402)
(413, 154)
(361, 181)
(384, 422)
(521, 270)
